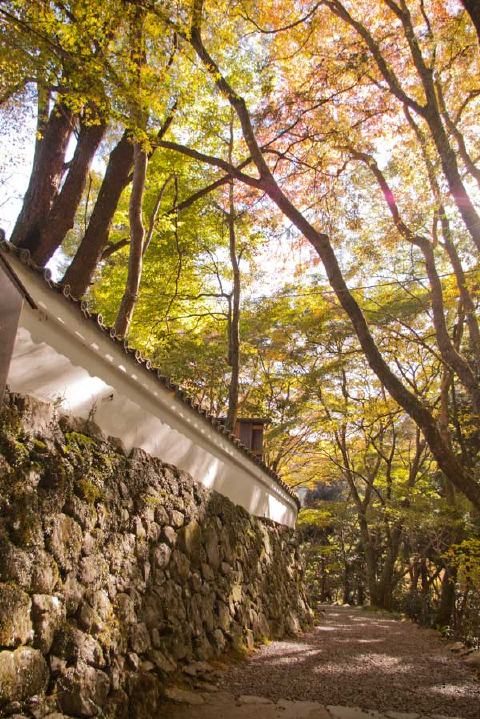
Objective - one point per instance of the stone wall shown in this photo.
(116, 571)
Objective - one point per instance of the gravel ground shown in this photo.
(359, 658)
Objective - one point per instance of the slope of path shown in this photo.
(353, 658)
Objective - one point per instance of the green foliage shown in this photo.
(466, 557)
(318, 517)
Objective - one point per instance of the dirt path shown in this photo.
(353, 658)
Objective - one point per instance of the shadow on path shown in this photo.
(359, 658)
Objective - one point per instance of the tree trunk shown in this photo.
(53, 136)
(346, 594)
(370, 562)
(448, 242)
(446, 606)
(117, 176)
(137, 233)
(140, 164)
(413, 589)
(448, 351)
(234, 321)
(62, 215)
(234, 308)
(386, 582)
(432, 115)
(446, 459)
(466, 297)
(457, 188)
(450, 354)
(425, 594)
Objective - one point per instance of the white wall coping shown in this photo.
(73, 333)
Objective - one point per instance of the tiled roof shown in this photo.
(136, 355)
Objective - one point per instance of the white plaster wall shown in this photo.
(59, 356)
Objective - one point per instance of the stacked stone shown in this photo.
(116, 571)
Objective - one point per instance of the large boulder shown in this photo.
(15, 624)
(83, 690)
(48, 614)
(23, 673)
(65, 540)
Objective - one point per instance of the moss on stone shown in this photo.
(14, 450)
(39, 445)
(79, 438)
(90, 491)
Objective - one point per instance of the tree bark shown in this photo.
(449, 163)
(449, 245)
(448, 351)
(234, 327)
(53, 135)
(93, 247)
(137, 233)
(234, 314)
(446, 606)
(386, 583)
(62, 215)
(117, 176)
(432, 115)
(370, 561)
(361, 507)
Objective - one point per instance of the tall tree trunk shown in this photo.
(361, 506)
(360, 593)
(346, 593)
(446, 607)
(413, 588)
(233, 331)
(425, 593)
(234, 314)
(140, 164)
(117, 176)
(370, 561)
(234, 308)
(386, 583)
(431, 113)
(448, 351)
(448, 242)
(450, 168)
(62, 215)
(137, 233)
(53, 135)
